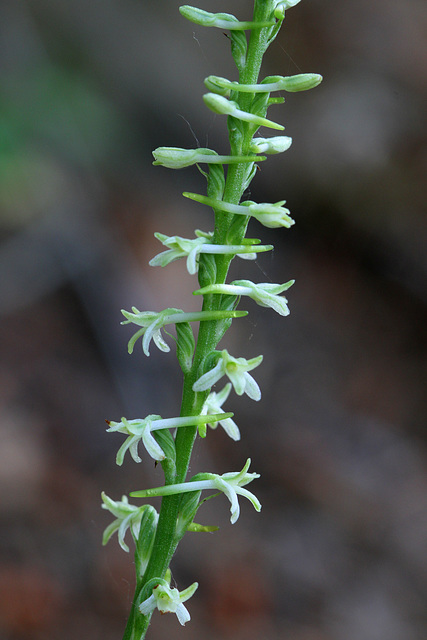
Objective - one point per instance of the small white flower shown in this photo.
(213, 405)
(151, 323)
(270, 215)
(236, 369)
(127, 517)
(137, 430)
(191, 249)
(229, 483)
(265, 294)
(167, 599)
(180, 248)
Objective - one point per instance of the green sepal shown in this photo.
(239, 47)
(207, 269)
(185, 345)
(145, 542)
(202, 528)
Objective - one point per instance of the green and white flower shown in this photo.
(231, 484)
(168, 600)
(220, 104)
(213, 405)
(297, 82)
(140, 429)
(282, 5)
(177, 158)
(270, 215)
(266, 294)
(219, 20)
(236, 369)
(152, 322)
(271, 146)
(127, 517)
(191, 249)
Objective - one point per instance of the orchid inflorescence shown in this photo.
(208, 255)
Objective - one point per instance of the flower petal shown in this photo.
(208, 379)
(251, 387)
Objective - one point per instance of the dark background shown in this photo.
(87, 90)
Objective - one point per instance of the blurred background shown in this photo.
(87, 90)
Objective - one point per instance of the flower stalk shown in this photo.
(208, 255)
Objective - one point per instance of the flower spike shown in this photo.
(231, 484)
(265, 294)
(167, 599)
(236, 369)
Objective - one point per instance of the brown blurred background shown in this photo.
(87, 90)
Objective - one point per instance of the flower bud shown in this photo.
(277, 144)
(301, 82)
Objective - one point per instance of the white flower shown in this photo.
(213, 405)
(137, 430)
(167, 599)
(270, 215)
(266, 294)
(229, 483)
(191, 249)
(180, 248)
(151, 323)
(127, 517)
(236, 369)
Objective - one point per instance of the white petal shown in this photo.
(230, 428)
(148, 605)
(207, 380)
(152, 447)
(182, 614)
(237, 380)
(251, 387)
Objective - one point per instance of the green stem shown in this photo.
(166, 539)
